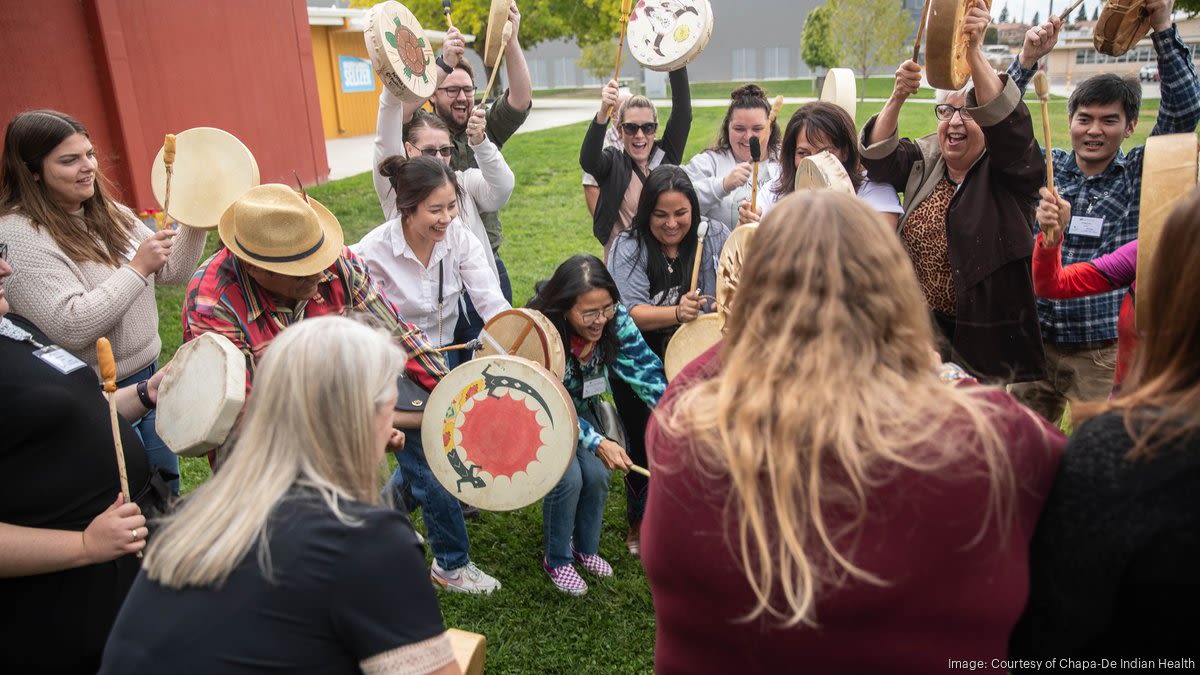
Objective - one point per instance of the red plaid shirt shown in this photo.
(222, 298)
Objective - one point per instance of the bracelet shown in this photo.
(143, 392)
(446, 68)
(677, 319)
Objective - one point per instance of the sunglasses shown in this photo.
(444, 151)
(631, 129)
(945, 111)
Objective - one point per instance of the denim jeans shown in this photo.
(467, 329)
(157, 452)
(575, 507)
(444, 524)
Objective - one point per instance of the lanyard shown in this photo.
(9, 330)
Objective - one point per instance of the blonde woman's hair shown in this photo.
(309, 421)
(827, 391)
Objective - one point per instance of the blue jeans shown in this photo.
(467, 329)
(157, 452)
(444, 524)
(575, 508)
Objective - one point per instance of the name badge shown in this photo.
(1087, 226)
(594, 387)
(62, 360)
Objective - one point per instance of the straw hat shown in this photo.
(276, 228)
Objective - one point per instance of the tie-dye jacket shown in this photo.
(636, 364)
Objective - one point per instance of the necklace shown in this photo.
(670, 263)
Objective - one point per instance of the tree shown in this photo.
(816, 42)
(1096, 13)
(584, 21)
(1037, 18)
(1082, 15)
(599, 59)
(1003, 15)
(869, 34)
(991, 36)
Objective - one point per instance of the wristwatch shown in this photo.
(143, 392)
(443, 65)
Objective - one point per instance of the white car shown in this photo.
(1149, 73)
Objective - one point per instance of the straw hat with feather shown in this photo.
(278, 229)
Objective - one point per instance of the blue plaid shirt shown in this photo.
(1114, 195)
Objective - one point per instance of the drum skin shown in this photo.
(841, 89)
(400, 53)
(1169, 173)
(690, 341)
(212, 169)
(729, 269)
(497, 17)
(666, 35)
(529, 334)
(201, 395)
(945, 48)
(499, 432)
(823, 171)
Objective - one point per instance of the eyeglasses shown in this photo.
(454, 92)
(444, 151)
(631, 129)
(593, 315)
(945, 111)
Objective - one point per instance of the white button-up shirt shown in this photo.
(460, 261)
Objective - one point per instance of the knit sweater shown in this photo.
(74, 303)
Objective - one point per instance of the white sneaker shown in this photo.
(465, 579)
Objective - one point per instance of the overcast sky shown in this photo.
(1042, 7)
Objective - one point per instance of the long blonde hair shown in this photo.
(827, 390)
(309, 421)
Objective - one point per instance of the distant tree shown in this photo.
(816, 41)
(991, 36)
(1003, 14)
(1082, 15)
(584, 21)
(1096, 13)
(869, 34)
(599, 59)
(1190, 6)
(1037, 18)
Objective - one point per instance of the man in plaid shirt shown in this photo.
(1103, 185)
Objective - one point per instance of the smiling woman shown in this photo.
(84, 266)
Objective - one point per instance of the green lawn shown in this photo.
(530, 626)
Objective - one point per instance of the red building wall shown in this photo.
(134, 70)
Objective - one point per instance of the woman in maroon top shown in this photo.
(819, 496)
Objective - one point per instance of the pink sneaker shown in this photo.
(593, 563)
(566, 578)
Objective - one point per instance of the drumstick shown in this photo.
(755, 156)
(637, 469)
(108, 371)
(701, 233)
(446, 11)
(626, 9)
(504, 38)
(1067, 14)
(169, 162)
(775, 108)
(474, 345)
(1042, 87)
(920, 32)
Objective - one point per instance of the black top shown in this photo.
(1113, 564)
(340, 594)
(58, 470)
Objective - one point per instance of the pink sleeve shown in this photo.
(1120, 266)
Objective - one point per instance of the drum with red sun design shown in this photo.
(499, 432)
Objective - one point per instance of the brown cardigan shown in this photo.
(989, 230)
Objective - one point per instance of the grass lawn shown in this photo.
(530, 626)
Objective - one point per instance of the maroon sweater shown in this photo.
(945, 600)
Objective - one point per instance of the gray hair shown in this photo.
(944, 94)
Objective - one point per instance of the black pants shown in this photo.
(634, 414)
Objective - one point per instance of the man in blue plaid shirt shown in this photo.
(1103, 186)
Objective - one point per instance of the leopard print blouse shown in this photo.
(924, 236)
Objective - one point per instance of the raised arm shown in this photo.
(1179, 110)
(492, 183)
(679, 124)
(453, 47)
(520, 85)
(1039, 40)
(592, 157)
(389, 141)
(908, 81)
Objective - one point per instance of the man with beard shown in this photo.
(454, 100)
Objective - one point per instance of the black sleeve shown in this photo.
(675, 135)
(383, 598)
(592, 157)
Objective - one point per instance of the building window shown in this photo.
(537, 73)
(564, 72)
(777, 63)
(745, 66)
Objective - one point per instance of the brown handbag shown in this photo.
(1122, 24)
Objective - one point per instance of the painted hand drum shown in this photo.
(201, 396)
(527, 333)
(667, 35)
(729, 269)
(1168, 175)
(400, 52)
(690, 341)
(212, 169)
(841, 89)
(499, 432)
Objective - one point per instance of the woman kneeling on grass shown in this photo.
(597, 334)
(816, 487)
(284, 560)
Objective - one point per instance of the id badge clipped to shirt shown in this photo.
(60, 359)
(594, 386)
(1086, 226)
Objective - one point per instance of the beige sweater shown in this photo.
(76, 303)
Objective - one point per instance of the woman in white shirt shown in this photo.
(722, 173)
(814, 128)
